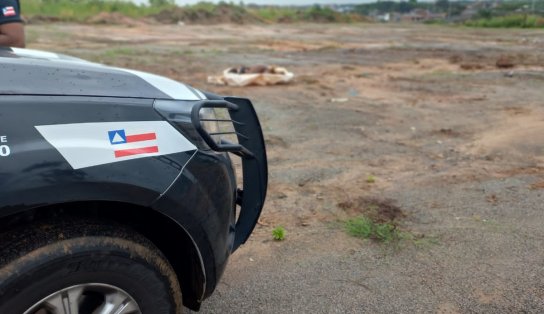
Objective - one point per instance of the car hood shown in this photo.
(35, 72)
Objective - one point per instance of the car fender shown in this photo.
(34, 169)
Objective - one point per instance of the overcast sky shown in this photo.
(276, 2)
(283, 2)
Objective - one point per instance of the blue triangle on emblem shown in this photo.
(117, 137)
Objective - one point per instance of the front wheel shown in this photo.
(84, 268)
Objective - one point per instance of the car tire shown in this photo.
(88, 266)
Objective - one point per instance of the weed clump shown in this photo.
(279, 233)
(374, 219)
(365, 228)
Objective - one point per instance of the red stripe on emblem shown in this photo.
(136, 151)
(141, 137)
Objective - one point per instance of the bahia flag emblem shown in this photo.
(143, 143)
(100, 143)
(9, 11)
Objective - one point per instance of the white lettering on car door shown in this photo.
(4, 148)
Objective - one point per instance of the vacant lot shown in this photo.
(439, 128)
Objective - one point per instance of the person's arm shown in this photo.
(12, 35)
(12, 32)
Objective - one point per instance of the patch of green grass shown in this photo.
(364, 75)
(180, 52)
(419, 241)
(365, 228)
(359, 227)
(426, 242)
(121, 51)
(69, 10)
(436, 22)
(315, 13)
(276, 14)
(440, 74)
(509, 21)
(279, 233)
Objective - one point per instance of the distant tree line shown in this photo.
(440, 6)
(488, 9)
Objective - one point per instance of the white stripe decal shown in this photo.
(91, 144)
(172, 88)
(201, 94)
(30, 53)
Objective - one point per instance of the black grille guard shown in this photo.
(250, 148)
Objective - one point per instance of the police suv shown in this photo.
(117, 189)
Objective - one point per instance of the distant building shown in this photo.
(474, 8)
(415, 16)
(341, 8)
(384, 18)
(421, 15)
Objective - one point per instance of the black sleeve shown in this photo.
(10, 11)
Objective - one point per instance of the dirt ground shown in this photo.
(451, 139)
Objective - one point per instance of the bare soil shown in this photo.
(448, 121)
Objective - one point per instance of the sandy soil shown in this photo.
(452, 140)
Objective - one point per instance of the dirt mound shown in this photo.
(471, 66)
(495, 59)
(42, 19)
(380, 211)
(318, 15)
(222, 13)
(114, 18)
(505, 62)
(517, 137)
